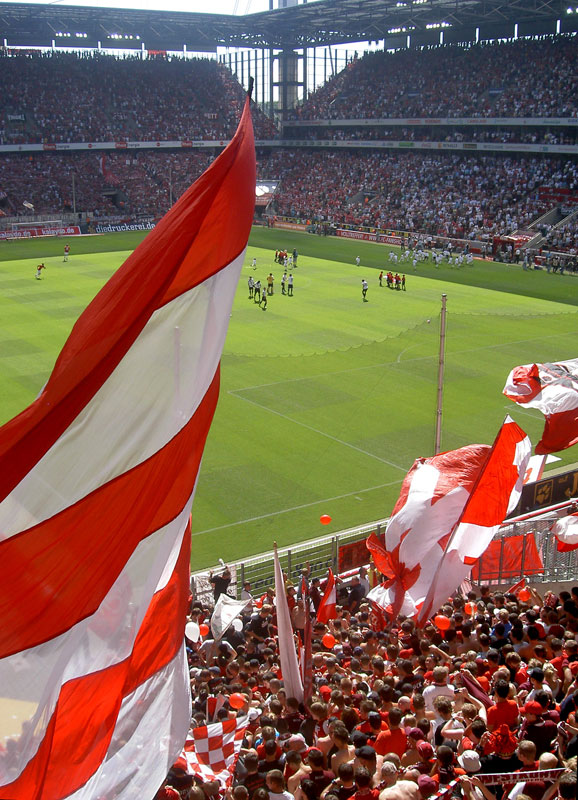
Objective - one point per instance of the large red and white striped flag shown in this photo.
(96, 483)
(448, 510)
(553, 390)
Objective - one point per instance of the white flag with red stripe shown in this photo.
(566, 532)
(427, 553)
(328, 604)
(553, 390)
(96, 484)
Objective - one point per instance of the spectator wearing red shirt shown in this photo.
(503, 710)
(393, 740)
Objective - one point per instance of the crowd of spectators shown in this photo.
(439, 194)
(396, 712)
(522, 78)
(131, 183)
(443, 194)
(65, 97)
(563, 239)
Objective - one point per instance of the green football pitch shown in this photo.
(325, 401)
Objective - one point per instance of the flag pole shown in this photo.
(441, 366)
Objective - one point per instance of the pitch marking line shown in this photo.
(321, 433)
(518, 410)
(296, 508)
(393, 363)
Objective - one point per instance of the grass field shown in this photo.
(325, 401)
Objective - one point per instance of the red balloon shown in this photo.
(441, 622)
(237, 700)
(328, 641)
(469, 608)
(524, 595)
(203, 629)
(325, 519)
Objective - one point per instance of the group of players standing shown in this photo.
(259, 293)
(419, 254)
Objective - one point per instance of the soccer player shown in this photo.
(381, 278)
(251, 283)
(403, 283)
(254, 263)
(283, 282)
(357, 260)
(364, 288)
(290, 286)
(39, 269)
(257, 292)
(270, 280)
(66, 251)
(263, 302)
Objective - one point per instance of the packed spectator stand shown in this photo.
(508, 79)
(65, 97)
(490, 685)
(164, 99)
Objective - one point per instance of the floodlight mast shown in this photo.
(441, 366)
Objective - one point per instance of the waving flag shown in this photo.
(292, 682)
(566, 532)
(328, 604)
(96, 483)
(425, 546)
(211, 752)
(494, 495)
(553, 390)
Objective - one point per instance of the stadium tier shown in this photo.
(513, 79)
(62, 97)
(453, 195)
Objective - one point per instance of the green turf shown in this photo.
(325, 401)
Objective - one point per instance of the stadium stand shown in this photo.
(511, 79)
(490, 688)
(65, 97)
(447, 195)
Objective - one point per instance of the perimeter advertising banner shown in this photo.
(28, 233)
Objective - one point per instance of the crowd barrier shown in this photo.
(519, 549)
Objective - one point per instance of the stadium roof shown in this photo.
(326, 22)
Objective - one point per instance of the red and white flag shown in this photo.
(566, 532)
(553, 390)
(96, 483)
(328, 604)
(447, 512)
(495, 494)
(211, 752)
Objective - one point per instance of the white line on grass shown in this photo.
(321, 433)
(295, 508)
(518, 410)
(391, 363)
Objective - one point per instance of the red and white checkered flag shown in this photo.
(211, 752)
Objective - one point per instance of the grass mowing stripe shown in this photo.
(320, 433)
(322, 361)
